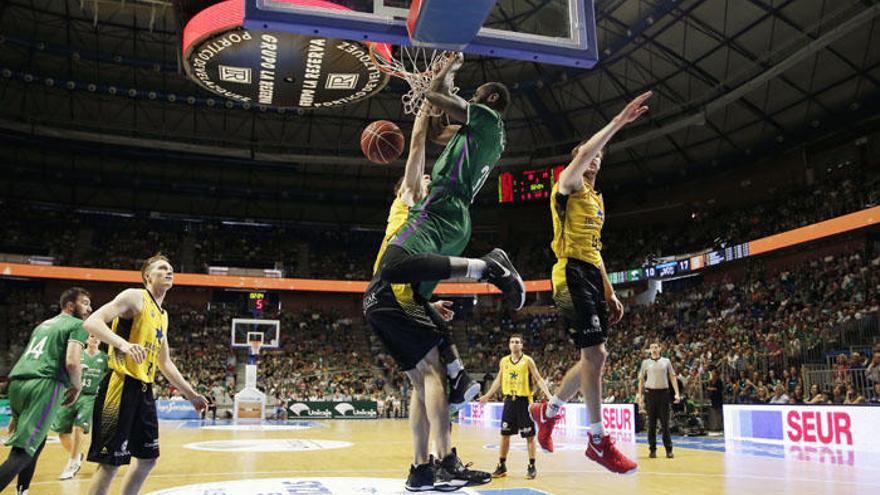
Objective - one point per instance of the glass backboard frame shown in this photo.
(273, 326)
(389, 26)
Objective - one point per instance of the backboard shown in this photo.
(246, 329)
(559, 32)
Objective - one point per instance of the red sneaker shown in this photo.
(607, 455)
(545, 425)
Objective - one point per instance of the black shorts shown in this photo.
(515, 418)
(124, 421)
(404, 323)
(579, 294)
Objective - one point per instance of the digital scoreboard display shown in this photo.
(527, 185)
(250, 304)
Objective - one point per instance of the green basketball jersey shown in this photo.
(93, 370)
(471, 154)
(46, 351)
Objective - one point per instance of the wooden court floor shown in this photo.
(381, 449)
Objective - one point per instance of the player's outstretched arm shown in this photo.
(572, 178)
(172, 374)
(412, 190)
(72, 362)
(440, 94)
(126, 304)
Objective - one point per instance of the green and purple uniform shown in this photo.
(441, 222)
(39, 379)
(80, 413)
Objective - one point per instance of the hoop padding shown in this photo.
(446, 24)
(416, 66)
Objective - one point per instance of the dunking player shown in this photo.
(438, 228)
(125, 419)
(50, 363)
(582, 290)
(412, 188)
(75, 420)
(515, 373)
(410, 330)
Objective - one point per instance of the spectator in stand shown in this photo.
(872, 372)
(779, 396)
(715, 388)
(841, 369)
(797, 397)
(816, 396)
(838, 394)
(793, 379)
(875, 399)
(762, 397)
(853, 396)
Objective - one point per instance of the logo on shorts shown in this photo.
(595, 323)
(370, 300)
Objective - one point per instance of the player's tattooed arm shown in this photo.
(127, 304)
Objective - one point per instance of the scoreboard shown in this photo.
(681, 265)
(245, 303)
(527, 185)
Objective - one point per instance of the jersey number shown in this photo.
(87, 382)
(37, 348)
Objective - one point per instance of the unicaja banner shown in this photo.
(175, 409)
(356, 409)
(837, 427)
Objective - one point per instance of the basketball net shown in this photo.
(415, 65)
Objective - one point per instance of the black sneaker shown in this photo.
(500, 471)
(451, 474)
(462, 389)
(421, 478)
(652, 454)
(501, 273)
(669, 454)
(531, 472)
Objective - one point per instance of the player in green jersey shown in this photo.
(50, 364)
(427, 248)
(75, 421)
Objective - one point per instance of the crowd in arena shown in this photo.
(87, 238)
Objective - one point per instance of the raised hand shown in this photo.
(634, 109)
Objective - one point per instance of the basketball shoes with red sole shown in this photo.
(538, 412)
(606, 454)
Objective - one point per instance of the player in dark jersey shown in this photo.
(427, 247)
(49, 365)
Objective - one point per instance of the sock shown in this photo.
(454, 368)
(596, 432)
(553, 406)
(502, 460)
(475, 268)
(531, 462)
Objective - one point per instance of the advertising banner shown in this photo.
(618, 419)
(805, 428)
(175, 409)
(356, 409)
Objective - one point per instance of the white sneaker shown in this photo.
(70, 470)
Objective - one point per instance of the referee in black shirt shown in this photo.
(655, 376)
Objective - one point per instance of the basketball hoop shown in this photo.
(415, 65)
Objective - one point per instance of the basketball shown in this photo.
(382, 142)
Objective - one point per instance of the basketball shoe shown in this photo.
(462, 389)
(606, 454)
(452, 474)
(501, 273)
(538, 412)
(421, 477)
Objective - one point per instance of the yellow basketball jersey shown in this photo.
(577, 224)
(397, 216)
(148, 329)
(515, 379)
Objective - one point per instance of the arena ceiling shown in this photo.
(734, 79)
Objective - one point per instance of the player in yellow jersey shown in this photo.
(515, 375)
(413, 332)
(582, 290)
(125, 420)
